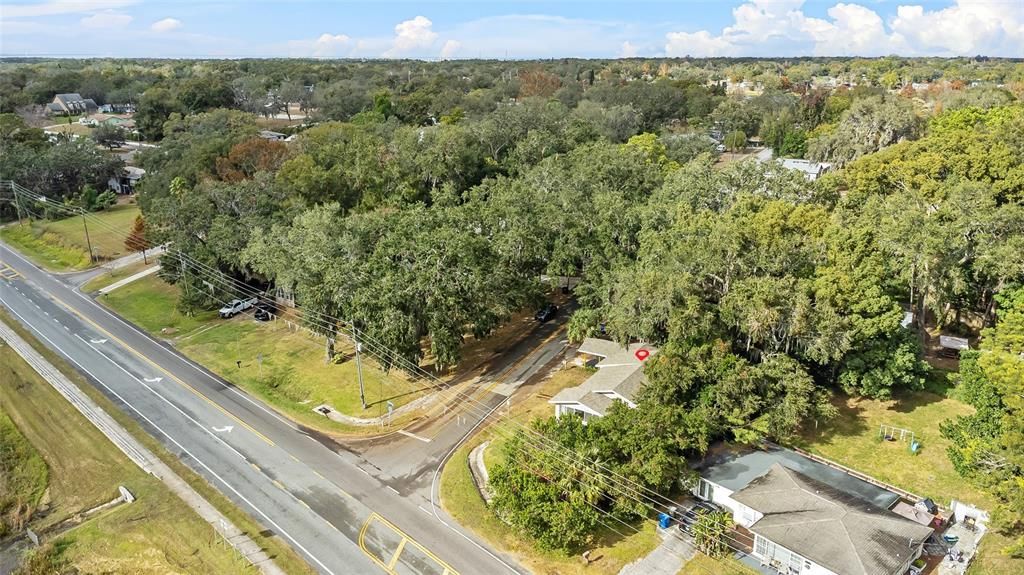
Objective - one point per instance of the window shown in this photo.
(705, 490)
(761, 546)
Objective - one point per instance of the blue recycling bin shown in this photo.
(664, 520)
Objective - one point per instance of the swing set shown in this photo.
(893, 433)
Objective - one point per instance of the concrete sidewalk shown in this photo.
(139, 454)
(666, 559)
(128, 280)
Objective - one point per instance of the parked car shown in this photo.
(263, 312)
(546, 313)
(687, 516)
(236, 307)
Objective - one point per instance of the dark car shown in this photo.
(263, 313)
(546, 313)
(687, 516)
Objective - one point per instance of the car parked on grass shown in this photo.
(236, 306)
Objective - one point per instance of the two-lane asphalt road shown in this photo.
(327, 503)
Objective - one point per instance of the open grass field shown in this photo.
(61, 245)
(462, 500)
(155, 534)
(176, 522)
(283, 367)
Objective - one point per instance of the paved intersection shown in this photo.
(343, 511)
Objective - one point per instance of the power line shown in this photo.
(627, 488)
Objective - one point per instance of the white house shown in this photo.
(127, 180)
(619, 376)
(809, 519)
(811, 170)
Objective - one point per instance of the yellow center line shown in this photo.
(168, 373)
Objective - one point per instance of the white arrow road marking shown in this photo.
(225, 429)
(153, 379)
(98, 341)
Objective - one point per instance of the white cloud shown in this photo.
(166, 25)
(629, 50)
(697, 44)
(412, 37)
(967, 28)
(780, 28)
(58, 7)
(325, 46)
(106, 19)
(450, 48)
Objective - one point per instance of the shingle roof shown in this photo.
(619, 373)
(596, 402)
(734, 469)
(834, 529)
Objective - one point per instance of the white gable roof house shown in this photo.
(810, 519)
(619, 376)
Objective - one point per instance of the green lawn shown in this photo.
(61, 244)
(462, 500)
(44, 248)
(155, 534)
(292, 375)
(852, 439)
(991, 561)
(109, 277)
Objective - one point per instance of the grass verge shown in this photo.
(461, 499)
(129, 542)
(61, 245)
(282, 367)
(23, 476)
(155, 534)
(111, 276)
(45, 249)
(701, 564)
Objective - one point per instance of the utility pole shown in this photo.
(17, 202)
(88, 242)
(359, 372)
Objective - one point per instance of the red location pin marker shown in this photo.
(642, 354)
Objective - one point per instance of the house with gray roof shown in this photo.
(619, 376)
(811, 170)
(809, 519)
(71, 104)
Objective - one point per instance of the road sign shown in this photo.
(642, 354)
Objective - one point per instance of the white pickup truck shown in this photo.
(236, 306)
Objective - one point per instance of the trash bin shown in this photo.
(664, 520)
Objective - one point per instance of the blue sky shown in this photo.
(520, 29)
